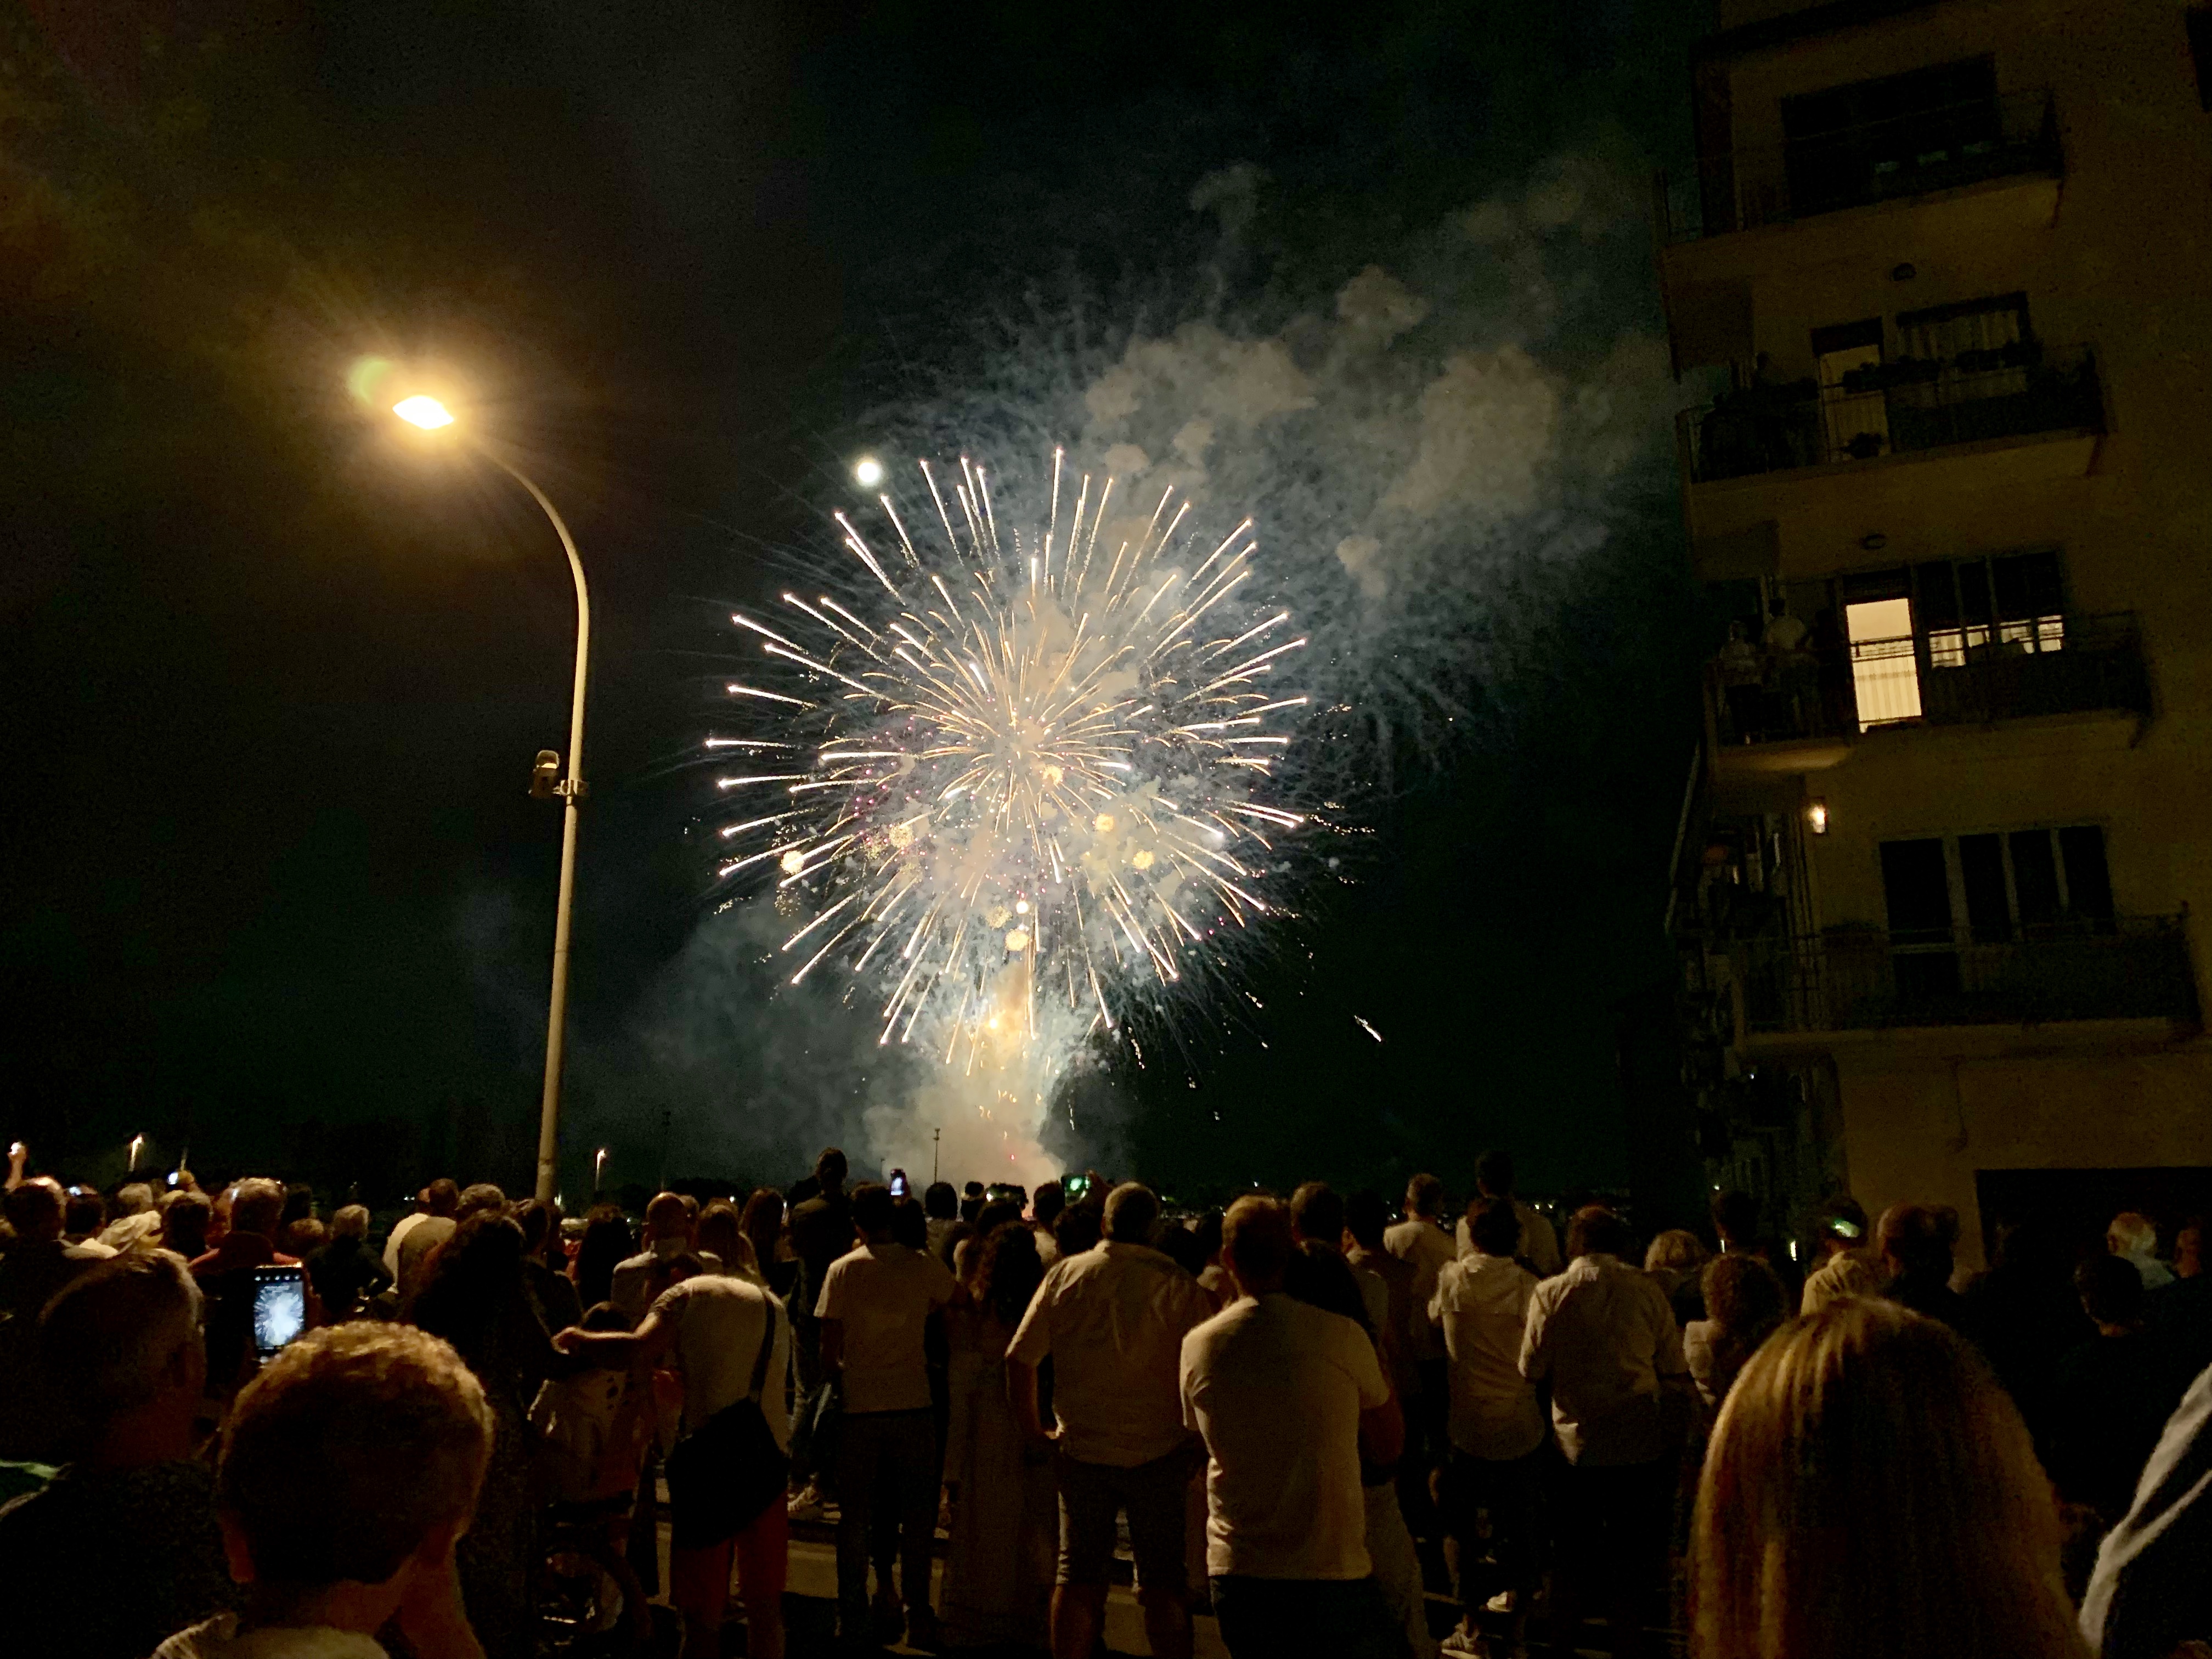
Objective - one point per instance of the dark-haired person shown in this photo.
(1745, 1304)
(2112, 1394)
(940, 1202)
(552, 1291)
(225, 1274)
(1495, 1177)
(329, 1547)
(1277, 1387)
(1424, 1244)
(122, 1346)
(1112, 1320)
(874, 1311)
(1915, 1244)
(821, 1231)
(344, 1271)
(1045, 1207)
(999, 1557)
(474, 1296)
(414, 1236)
(1602, 1335)
(1496, 1424)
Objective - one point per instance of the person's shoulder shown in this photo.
(1208, 1333)
(202, 1641)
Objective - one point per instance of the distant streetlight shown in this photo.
(598, 1168)
(136, 1142)
(867, 471)
(431, 416)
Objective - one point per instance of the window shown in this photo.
(1891, 137)
(2010, 885)
(1968, 328)
(2006, 605)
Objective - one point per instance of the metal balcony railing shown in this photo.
(1906, 155)
(1901, 407)
(1966, 674)
(1861, 978)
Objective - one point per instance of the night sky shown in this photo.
(274, 886)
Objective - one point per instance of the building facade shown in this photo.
(1946, 856)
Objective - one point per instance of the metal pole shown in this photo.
(557, 1017)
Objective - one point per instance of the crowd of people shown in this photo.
(1315, 1417)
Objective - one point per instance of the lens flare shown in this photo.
(1024, 767)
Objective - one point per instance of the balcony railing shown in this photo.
(1967, 674)
(1902, 407)
(1906, 155)
(1856, 979)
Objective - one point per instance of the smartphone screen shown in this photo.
(898, 1183)
(280, 1309)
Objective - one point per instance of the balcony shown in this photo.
(1862, 978)
(1951, 148)
(1804, 711)
(1899, 436)
(1905, 407)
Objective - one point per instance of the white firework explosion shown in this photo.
(1015, 775)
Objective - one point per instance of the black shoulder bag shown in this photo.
(723, 1474)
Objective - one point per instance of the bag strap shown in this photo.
(767, 1346)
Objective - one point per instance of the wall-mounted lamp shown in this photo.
(1816, 816)
(1904, 273)
(1874, 542)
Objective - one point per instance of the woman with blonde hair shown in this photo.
(1674, 1259)
(1871, 1489)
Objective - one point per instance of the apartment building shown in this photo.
(1942, 885)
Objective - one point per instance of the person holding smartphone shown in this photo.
(228, 1276)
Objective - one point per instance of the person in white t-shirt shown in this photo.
(441, 1198)
(874, 1307)
(1277, 1388)
(718, 1332)
(1112, 1320)
(1602, 1334)
(1479, 1308)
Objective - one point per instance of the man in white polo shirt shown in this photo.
(1276, 1387)
(1113, 1320)
(874, 1309)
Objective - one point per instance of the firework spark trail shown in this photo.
(1029, 780)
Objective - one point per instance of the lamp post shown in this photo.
(430, 414)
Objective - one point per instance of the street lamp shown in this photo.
(431, 415)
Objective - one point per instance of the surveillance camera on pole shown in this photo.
(545, 776)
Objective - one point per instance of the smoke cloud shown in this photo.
(1432, 436)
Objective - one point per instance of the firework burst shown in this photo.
(1024, 770)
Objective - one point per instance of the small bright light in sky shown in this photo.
(426, 412)
(867, 473)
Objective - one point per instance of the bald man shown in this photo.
(670, 1231)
